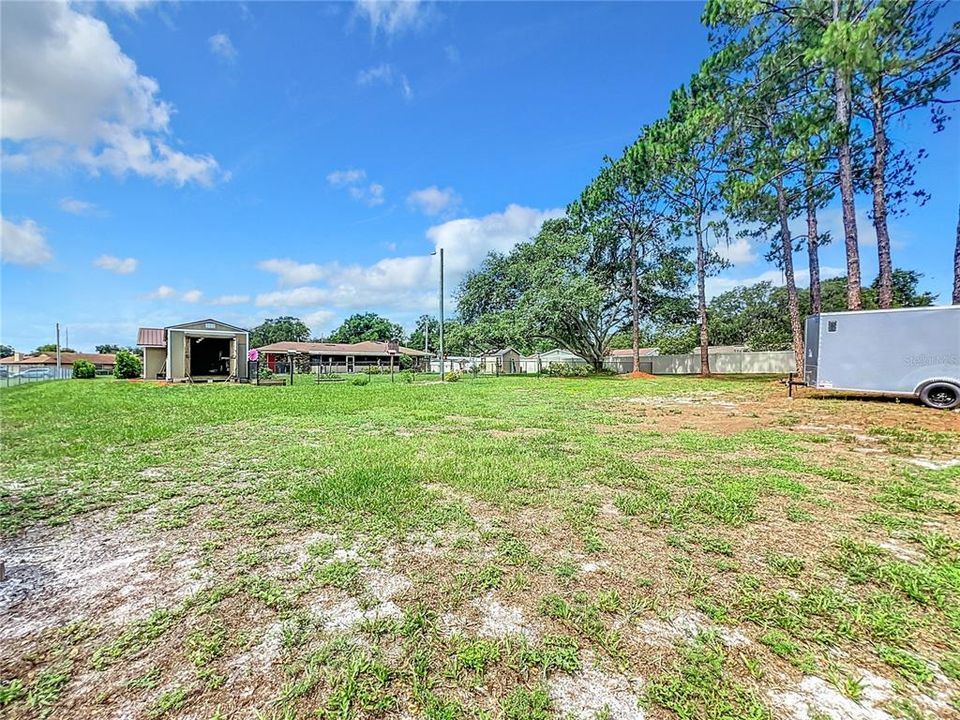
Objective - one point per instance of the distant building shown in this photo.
(204, 350)
(336, 357)
(104, 362)
(501, 362)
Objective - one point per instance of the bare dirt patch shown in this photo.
(59, 575)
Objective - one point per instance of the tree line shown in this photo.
(793, 108)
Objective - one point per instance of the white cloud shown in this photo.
(192, 296)
(162, 293)
(70, 96)
(452, 53)
(319, 320)
(719, 284)
(354, 181)
(130, 7)
(290, 272)
(392, 17)
(386, 74)
(222, 46)
(230, 300)
(296, 297)
(23, 244)
(78, 207)
(405, 283)
(121, 266)
(344, 178)
(739, 252)
(432, 200)
(468, 240)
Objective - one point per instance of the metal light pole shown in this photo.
(58, 350)
(441, 311)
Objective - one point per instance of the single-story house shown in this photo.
(621, 360)
(501, 362)
(200, 351)
(104, 362)
(336, 357)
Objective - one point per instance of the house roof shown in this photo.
(66, 358)
(206, 320)
(152, 337)
(628, 352)
(376, 349)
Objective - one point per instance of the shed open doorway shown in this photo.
(209, 357)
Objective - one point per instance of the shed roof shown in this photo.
(498, 353)
(152, 337)
(377, 349)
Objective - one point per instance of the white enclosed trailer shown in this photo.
(906, 352)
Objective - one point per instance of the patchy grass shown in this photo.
(703, 549)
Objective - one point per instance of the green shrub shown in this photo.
(127, 365)
(407, 376)
(84, 370)
(406, 362)
(371, 370)
(264, 372)
(562, 369)
(360, 379)
(453, 376)
(328, 377)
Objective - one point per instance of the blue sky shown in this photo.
(165, 162)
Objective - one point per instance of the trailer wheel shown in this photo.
(940, 395)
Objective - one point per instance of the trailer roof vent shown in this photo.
(831, 325)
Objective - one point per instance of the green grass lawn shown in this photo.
(492, 548)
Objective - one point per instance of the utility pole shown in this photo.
(442, 362)
(58, 351)
(440, 251)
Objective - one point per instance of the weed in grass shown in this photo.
(785, 565)
(565, 570)
(338, 573)
(717, 546)
(360, 688)
(11, 691)
(651, 502)
(797, 514)
(888, 521)
(781, 644)
(585, 615)
(699, 686)
(950, 665)
(909, 666)
(554, 652)
(524, 704)
(474, 655)
(169, 701)
(135, 639)
(149, 680)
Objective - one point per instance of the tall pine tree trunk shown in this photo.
(813, 244)
(702, 301)
(793, 304)
(845, 162)
(635, 300)
(878, 181)
(956, 268)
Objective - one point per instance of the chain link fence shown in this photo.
(13, 375)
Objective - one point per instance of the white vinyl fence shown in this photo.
(775, 362)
